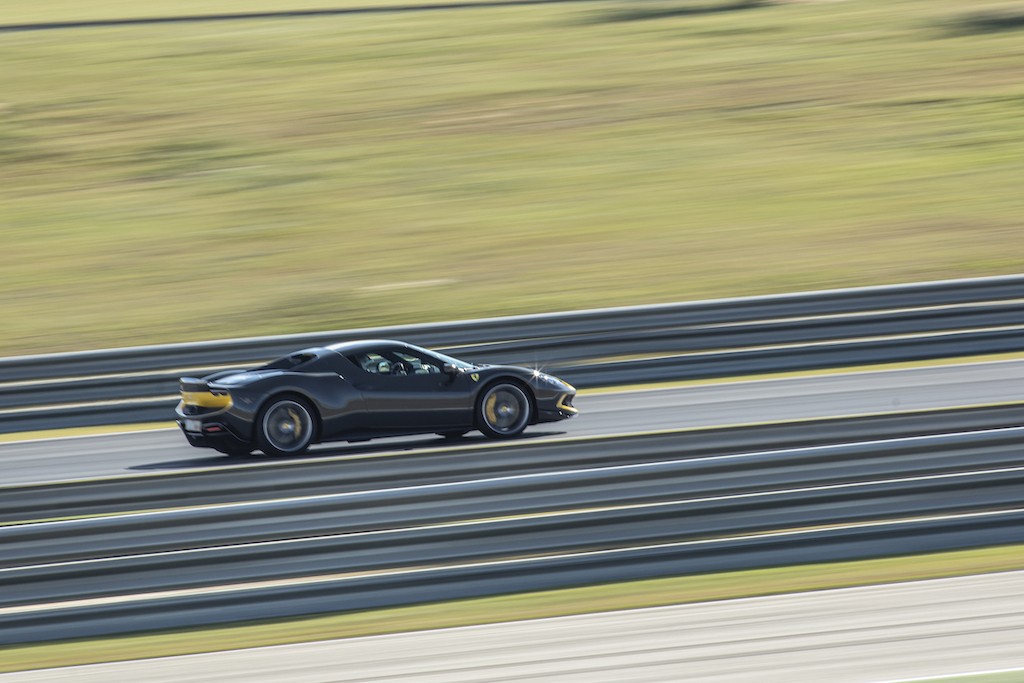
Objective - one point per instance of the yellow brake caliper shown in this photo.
(492, 401)
(296, 422)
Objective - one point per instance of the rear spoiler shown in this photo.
(196, 384)
(193, 385)
(198, 392)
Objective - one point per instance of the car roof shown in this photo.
(364, 344)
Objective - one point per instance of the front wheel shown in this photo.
(503, 411)
(285, 427)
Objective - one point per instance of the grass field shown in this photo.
(217, 178)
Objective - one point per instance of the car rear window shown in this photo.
(289, 362)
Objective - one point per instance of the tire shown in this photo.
(503, 411)
(455, 434)
(285, 426)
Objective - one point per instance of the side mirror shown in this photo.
(450, 369)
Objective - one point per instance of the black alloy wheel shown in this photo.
(285, 427)
(503, 411)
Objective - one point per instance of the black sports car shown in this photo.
(356, 391)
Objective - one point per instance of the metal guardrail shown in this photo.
(671, 517)
(683, 488)
(252, 481)
(482, 579)
(688, 341)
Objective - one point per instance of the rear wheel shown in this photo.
(503, 411)
(285, 427)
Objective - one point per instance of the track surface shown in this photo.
(897, 631)
(460, 522)
(742, 402)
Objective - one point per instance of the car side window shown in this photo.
(395, 363)
(373, 363)
(418, 365)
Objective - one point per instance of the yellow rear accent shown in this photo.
(204, 399)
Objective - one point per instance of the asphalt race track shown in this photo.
(614, 495)
(614, 413)
(857, 635)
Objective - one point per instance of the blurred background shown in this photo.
(211, 169)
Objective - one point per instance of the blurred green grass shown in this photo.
(170, 182)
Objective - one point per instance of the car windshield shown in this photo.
(454, 361)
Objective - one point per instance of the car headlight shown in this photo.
(548, 379)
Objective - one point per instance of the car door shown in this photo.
(406, 390)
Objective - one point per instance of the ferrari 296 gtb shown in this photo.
(360, 390)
